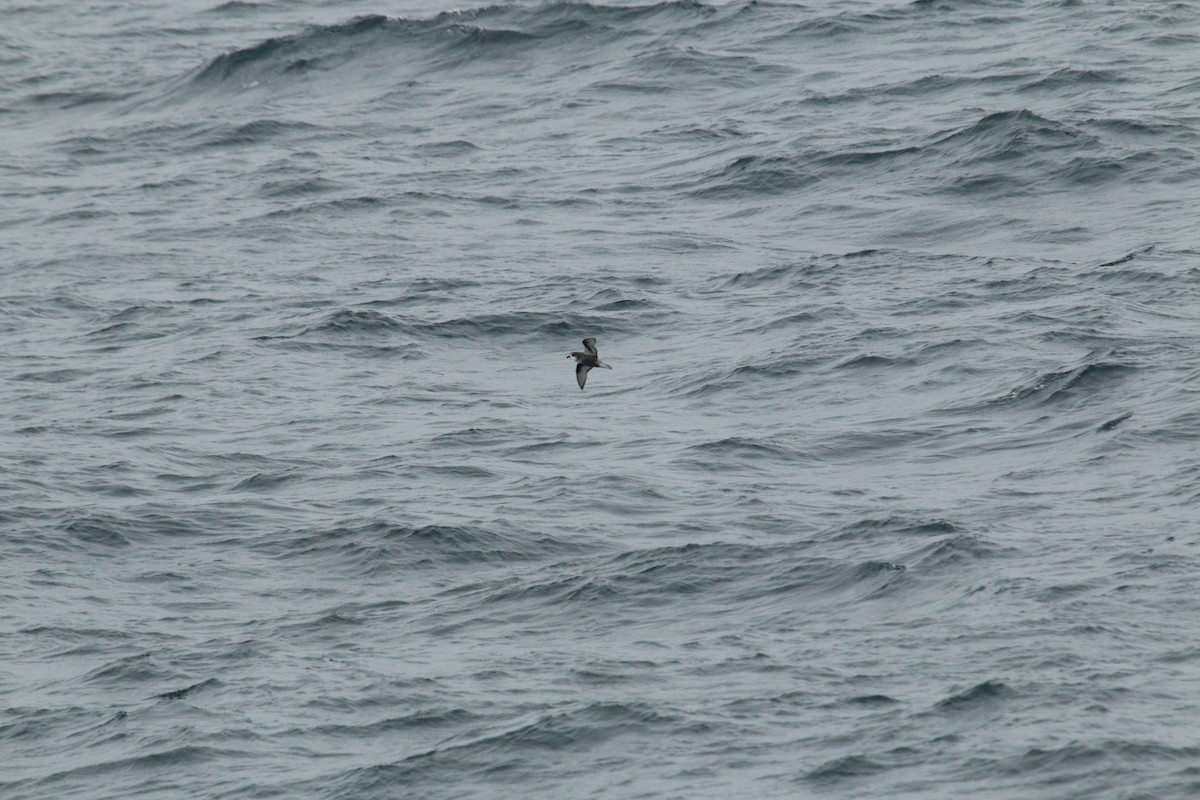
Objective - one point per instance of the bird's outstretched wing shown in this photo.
(589, 344)
(581, 371)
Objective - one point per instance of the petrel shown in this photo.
(585, 361)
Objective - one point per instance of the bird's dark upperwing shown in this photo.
(581, 371)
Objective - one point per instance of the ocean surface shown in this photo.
(893, 490)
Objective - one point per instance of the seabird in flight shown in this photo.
(585, 361)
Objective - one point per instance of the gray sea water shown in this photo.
(892, 490)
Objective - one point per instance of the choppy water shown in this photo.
(892, 491)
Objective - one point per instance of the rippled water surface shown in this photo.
(891, 491)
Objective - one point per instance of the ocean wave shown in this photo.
(716, 574)
(1068, 78)
(285, 53)
(379, 547)
(1007, 135)
(189, 691)
(371, 325)
(1089, 765)
(355, 321)
(1089, 382)
(755, 175)
(162, 758)
(424, 721)
(1005, 153)
(846, 768)
(299, 187)
(523, 747)
(254, 132)
(895, 526)
(821, 581)
(955, 551)
(66, 100)
(448, 39)
(795, 275)
(741, 448)
(970, 700)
